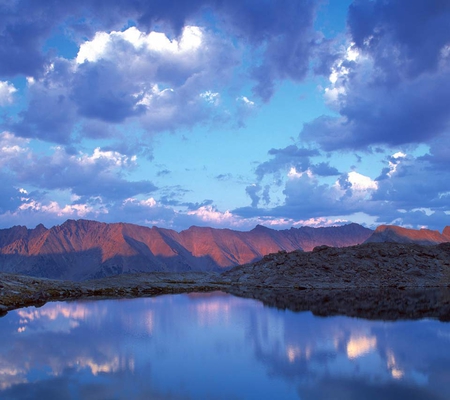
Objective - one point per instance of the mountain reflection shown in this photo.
(216, 346)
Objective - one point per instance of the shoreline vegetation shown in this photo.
(386, 281)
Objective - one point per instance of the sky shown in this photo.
(226, 114)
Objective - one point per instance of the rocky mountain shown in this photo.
(397, 234)
(79, 250)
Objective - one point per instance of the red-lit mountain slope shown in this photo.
(397, 234)
(84, 249)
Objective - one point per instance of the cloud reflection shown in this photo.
(360, 345)
(191, 346)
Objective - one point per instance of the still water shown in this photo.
(216, 346)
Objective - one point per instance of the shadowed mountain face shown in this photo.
(79, 250)
(397, 234)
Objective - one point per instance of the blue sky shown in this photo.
(225, 114)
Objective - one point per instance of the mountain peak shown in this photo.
(399, 234)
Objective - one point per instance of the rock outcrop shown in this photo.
(80, 250)
(369, 265)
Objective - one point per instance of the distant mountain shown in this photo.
(82, 249)
(397, 234)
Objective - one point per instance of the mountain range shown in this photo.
(82, 249)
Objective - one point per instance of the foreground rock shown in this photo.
(370, 265)
(374, 280)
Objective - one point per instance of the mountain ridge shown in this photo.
(398, 234)
(85, 249)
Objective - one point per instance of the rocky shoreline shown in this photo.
(375, 280)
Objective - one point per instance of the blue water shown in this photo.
(216, 346)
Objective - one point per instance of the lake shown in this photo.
(216, 346)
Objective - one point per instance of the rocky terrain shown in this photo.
(372, 280)
(368, 265)
(20, 291)
(81, 250)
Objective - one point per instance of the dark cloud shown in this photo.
(24, 25)
(411, 183)
(50, 114)
(286, 31)
(266, 195)
(402, 40)
(290, 156)
(324, 169)
(10, 196)
(396, 90)
(253, 191)
(93, 176)
(413, 112)
(439, 154)
(101, 92)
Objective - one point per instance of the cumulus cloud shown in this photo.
(307, 197)
(129, 76)
(166, 82)
(166, 71)
(409, 190)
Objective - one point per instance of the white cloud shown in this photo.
(108, 159)
(7, 91)
(102, 45)
(293, 173)
(93, 50)
(394, 165)
(399, 154)
(150, 202)
(113, 157)
(361, 182)
(284, 223)
(66, 211)
(210, 214)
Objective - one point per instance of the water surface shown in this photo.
(216, 346)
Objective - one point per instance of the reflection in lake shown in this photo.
(216, 346)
